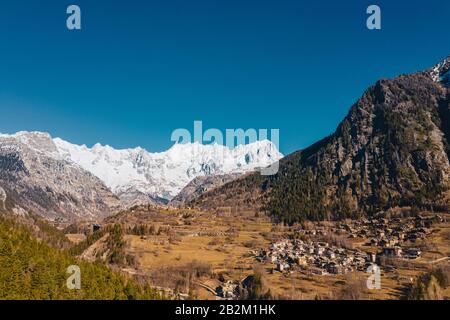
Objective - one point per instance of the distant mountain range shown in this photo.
(392, 149)
(65, 181)
(161, 176)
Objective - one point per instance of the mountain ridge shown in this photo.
(391, 149)
(65, 181)
(163, 175)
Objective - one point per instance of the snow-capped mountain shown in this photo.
(441, 72)
(137, 173)
(60, 180)
(35, 177)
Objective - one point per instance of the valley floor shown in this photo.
(204, 255)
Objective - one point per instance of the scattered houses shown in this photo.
(388, 233)
(392, 235)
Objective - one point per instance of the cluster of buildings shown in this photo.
(318, 257)
(392, 235)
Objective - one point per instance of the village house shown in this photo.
(229, 290)
(412, 253)
(392, 251)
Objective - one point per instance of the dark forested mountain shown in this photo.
(392, 149)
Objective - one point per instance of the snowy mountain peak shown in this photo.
(136, 173)
(441, 72)
(40, 142)
(165, 174)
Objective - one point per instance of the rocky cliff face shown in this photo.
(34, 177)
(200, 185)
(392, 149)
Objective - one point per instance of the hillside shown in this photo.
(31, 269)
(35, 178)
(392, 149)
(200, 185)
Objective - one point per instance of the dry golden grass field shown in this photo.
(196, 251)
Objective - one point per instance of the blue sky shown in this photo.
(140, 69)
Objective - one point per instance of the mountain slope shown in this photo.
(391, 149)
(34, 177)
(200, 185)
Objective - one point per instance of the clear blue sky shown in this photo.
(140, 69)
